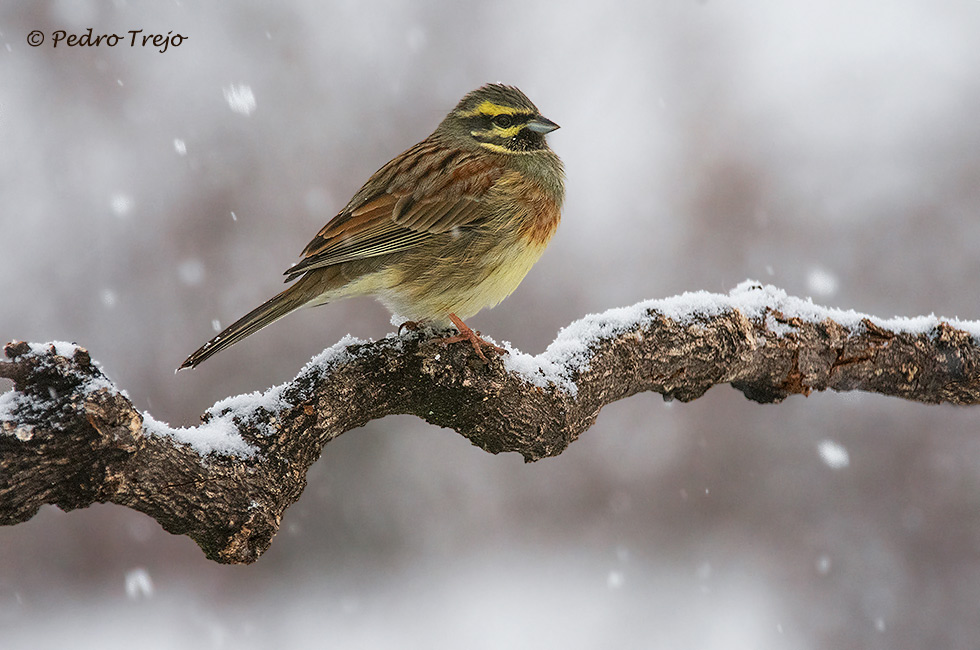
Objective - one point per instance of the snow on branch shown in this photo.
(71, 438)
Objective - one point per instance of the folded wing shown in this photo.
(402, 206)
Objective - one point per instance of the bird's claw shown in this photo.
(467, 334)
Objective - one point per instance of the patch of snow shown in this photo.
(61, 348)
(538, 370)
(180, 147)
(334, 355)
(571, 350)
(218, 436)
(330, 358)
(8, 403)
(776, 327)
(245, 406)
(752, 298)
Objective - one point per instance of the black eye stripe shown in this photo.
(525, 140)
(486, 122)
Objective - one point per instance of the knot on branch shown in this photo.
(53, 384)
(60, 367)
(114, 418)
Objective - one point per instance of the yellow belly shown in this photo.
(459, 285)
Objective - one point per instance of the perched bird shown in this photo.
(447, 228)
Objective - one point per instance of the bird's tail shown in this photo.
(265, 314)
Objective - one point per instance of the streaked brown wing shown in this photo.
(406, 207)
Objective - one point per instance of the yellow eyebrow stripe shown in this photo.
(489, 108)
(501, 149)
(510, 131)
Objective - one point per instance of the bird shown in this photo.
(445, 229)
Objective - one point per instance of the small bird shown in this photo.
(450, 226)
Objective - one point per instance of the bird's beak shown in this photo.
(541, 125)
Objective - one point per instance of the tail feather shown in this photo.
(265, 314)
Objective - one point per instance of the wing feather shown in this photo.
(403, 205)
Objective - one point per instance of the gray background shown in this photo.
(832, 150)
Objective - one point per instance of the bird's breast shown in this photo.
(530, 210)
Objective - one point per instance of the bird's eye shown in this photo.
(503, 121)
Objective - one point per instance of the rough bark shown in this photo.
(71, 438)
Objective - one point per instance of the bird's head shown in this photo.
(499, 118)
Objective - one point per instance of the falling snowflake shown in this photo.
(138, 584)
(240, 99)
(821, 282)
(833, 454)
(121, 204)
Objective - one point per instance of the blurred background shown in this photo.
(832, 149)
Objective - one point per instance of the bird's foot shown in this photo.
(467, 334)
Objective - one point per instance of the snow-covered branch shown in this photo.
(71, 438)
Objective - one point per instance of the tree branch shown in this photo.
(71, 438)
